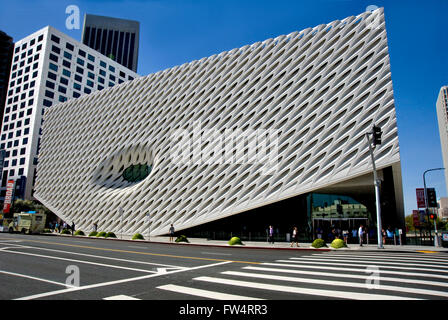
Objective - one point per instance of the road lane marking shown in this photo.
(350, 276)
(388, 258)
(339, 283)
(35, 278)
(361, 264)
(204, 293)
(101, 257)
(361, 269)
(78, 261)
(121, 297)
(142, 253)
(109, 283)
(306, 291)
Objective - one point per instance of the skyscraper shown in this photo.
(442, 116)
(6, 49)
(48, 67)
(115, 38)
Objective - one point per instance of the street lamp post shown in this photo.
(377, 194)
(436, 238)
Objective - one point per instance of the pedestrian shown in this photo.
(95, 227)
(171, 233)
(56, 227)
(295, 237)
(345, 235)
(73, 228)
(383, 233)
(361, 234)
(271, 234)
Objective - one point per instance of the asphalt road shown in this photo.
(64, 268)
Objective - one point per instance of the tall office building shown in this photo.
(442, 116)
(115, 38)
(6, 49)
(48, 67)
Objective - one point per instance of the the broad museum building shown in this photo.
(273, 133)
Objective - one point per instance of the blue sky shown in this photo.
(173, 32)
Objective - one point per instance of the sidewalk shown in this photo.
(276, 245)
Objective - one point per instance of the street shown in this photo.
(65, 268)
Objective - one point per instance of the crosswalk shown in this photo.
(332, 275)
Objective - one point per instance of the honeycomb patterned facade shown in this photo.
(313, 94)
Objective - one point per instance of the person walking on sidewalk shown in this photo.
(171, 233)
(271, 234)
(361, 235)
(295, 236)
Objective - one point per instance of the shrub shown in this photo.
(93, 234)
(318, 243)
(79, 233)
(101, 234)
(182, 238)
(338, 243)
(138, 236)
(46, 231)
(66, 231)
(110, 235)
(234, 241)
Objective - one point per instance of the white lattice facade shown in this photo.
(224, 134)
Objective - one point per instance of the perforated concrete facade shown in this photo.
(224, 134)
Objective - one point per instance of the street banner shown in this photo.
(416, 218)
(421, 203)
(8, 197)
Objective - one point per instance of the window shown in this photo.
(69, 46)
(62, 99)
(49, 94)
(80, 61)
(80, 70)
(76, 86)
(103, 73)
(66, 73)
(49, 84)
(38, 47)
(103, 64)
(78, 78)
(122, 74)
(90, 66)
(21, 172)
(111, 69)
(54, 38)
(91, 58)
(51, 75)
(76, 95)
(100, 80)
(65, 63)
(82, 53)
(112, 77)
(64, 80)
(35, 73)
(62, 89)
(35, 65)
(32, 42)
(47, 103)
(53, 67)
(67, 55)
(87, 90)
(91, 75)
(56, 49)
(90, 83)
(22, 161)
(100, 87)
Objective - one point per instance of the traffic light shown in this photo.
(376, 135)
(432, 199)
(432, 216)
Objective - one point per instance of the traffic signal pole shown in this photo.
(377, 191)
(436, 238)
